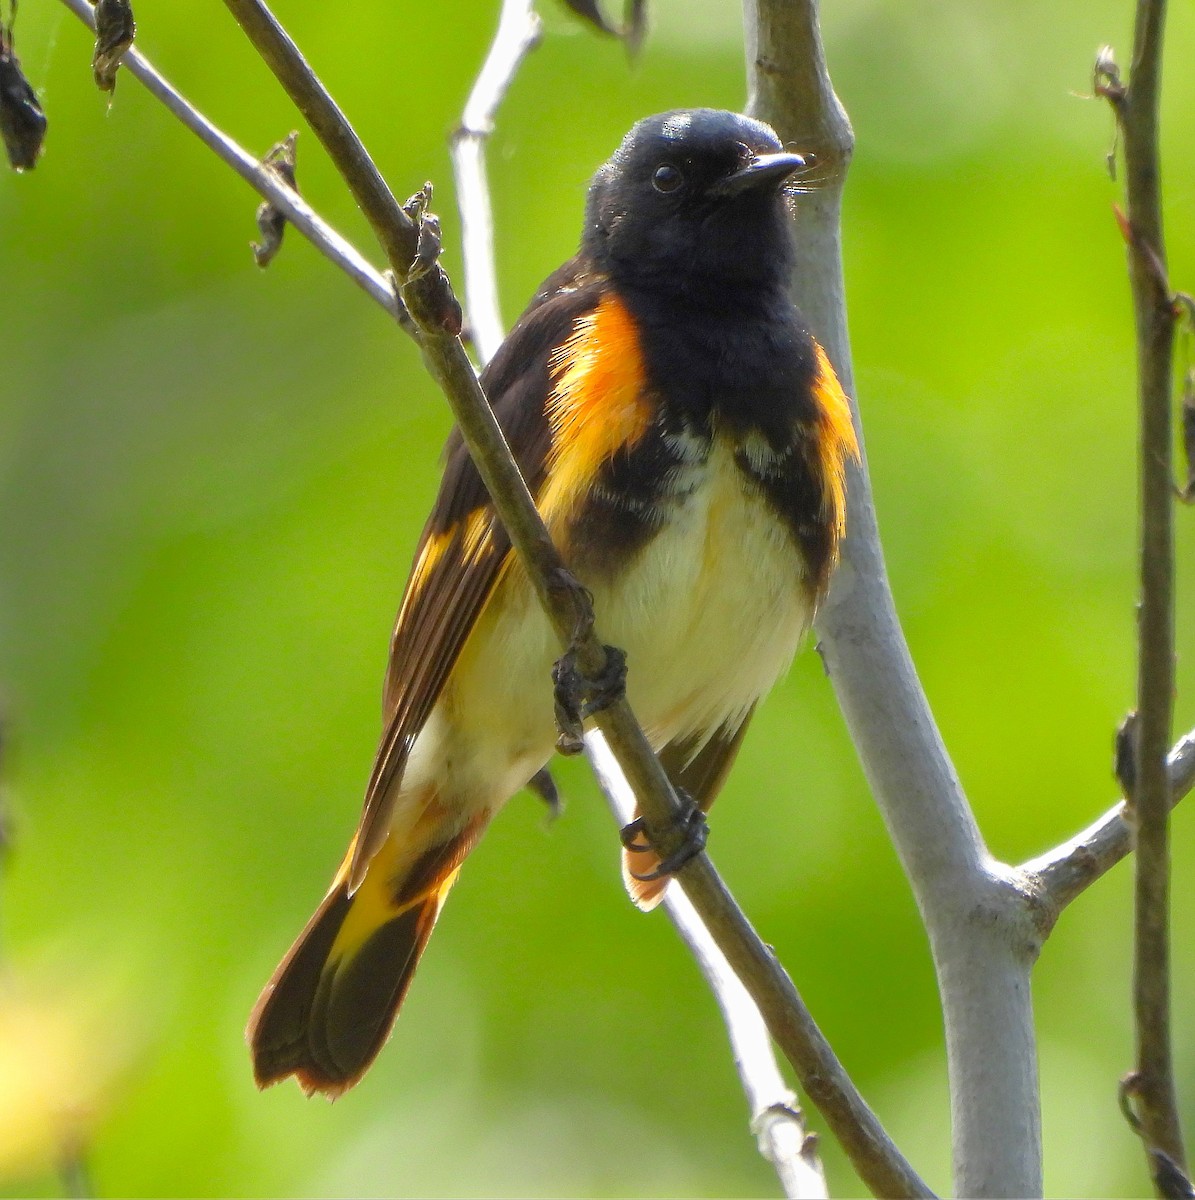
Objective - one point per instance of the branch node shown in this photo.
(427, 291)
(1128, 1090)
(280, 160)
(115, 30)
(1124, 756)
(1106, 80)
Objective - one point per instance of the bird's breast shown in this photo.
(707, 592)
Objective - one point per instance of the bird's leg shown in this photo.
(579, 696)
(690, 824)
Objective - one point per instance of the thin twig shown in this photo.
(1065, 872)
(392, 226)
(429, 300)
(776, 1118)
(518, 34)
(264, 181)
(1136, 111)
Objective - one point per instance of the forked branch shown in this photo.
(1064, 873)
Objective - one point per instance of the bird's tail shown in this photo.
(330, 1005)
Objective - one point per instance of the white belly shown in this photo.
(709, 612)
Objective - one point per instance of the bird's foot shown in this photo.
(690, 824)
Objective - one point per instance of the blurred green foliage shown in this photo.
(211, 483)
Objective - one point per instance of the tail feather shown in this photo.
(331, 1004)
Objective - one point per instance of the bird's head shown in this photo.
(692, 202)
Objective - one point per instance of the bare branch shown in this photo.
(980, 928)
(518, 34)
(1136, 108)
(775, 1116)
(263, 180)
(1067, 871)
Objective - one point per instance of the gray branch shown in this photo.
(982, 933)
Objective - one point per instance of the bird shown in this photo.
(686, 441)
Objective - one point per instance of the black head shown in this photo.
(691, 204)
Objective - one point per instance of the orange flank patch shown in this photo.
(597, 406)
(837, 441)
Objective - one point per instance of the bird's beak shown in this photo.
(764, 170)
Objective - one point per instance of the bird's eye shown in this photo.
(667, 178)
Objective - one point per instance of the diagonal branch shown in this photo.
(1136, 108)
(518, 34)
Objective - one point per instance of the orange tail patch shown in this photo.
(331, 1004)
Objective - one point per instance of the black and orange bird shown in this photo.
(685, 439)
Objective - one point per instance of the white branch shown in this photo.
(776, 1118)
(518, 34)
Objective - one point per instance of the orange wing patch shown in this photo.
(597, 406)
(837, 441)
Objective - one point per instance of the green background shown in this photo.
(211, 483)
